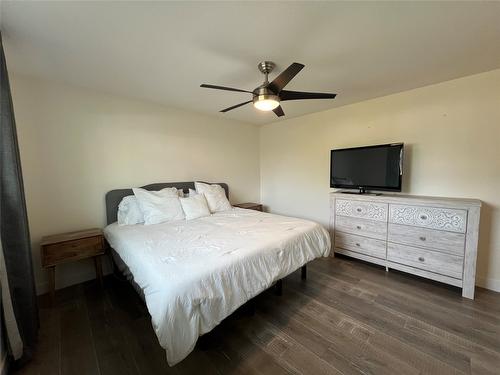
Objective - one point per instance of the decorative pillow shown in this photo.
(195, 206)
(159, 206)
(180, 193)
(215, 195)
(129, 212)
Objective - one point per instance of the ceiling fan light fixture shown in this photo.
(266, 102)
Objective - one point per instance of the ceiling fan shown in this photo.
(267, 97)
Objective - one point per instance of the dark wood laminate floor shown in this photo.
(347, 318)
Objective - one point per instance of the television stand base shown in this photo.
(359, 192)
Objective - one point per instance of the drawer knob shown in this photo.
(421, 259)
(358, 209)
(423, 217)
(422, 238)
(358, 226)
(357, 244)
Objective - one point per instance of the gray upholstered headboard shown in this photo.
(114, 197)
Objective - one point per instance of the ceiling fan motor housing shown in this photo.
(264, 93)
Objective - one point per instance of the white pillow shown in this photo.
(159, 206)
(180, 193)
(129, 212)
(215, 195)
(192, 193)
(195, 206)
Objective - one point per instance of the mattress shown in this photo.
(195, 273)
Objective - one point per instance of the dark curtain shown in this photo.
(13, 220)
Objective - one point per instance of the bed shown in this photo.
(193, 274)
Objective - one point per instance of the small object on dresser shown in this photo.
(69, 247)
(249, 206)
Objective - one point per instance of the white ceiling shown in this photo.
(163, 51)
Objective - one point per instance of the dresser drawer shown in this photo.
(453, 220)
(448, 242)
(359, 244)
(365, 210)
(71, 250)
(362, 227)
(444, 264)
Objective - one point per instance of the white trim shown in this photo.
(89, 274)
(13, 338)
(489, 283)
(71, 279)
(68, 280)
(3, 365)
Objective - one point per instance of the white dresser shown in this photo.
(430, 237)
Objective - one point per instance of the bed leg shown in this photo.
(113, 265)
(278, 288)
(251, 307)
(303, 272)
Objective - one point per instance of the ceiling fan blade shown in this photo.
(284, 77)
(298, 95)
(222, 88)
(235, 106)
(279, 111)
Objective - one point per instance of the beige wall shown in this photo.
(452, 136)
(77, 144)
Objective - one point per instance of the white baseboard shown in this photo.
(73, 278)
(3, 365)
(43, 287)
(489, 283)
(80, 277)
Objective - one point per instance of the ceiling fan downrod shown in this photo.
(266, 67)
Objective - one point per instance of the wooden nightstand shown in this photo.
(69, 247)
(249, 206)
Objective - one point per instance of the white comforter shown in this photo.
(195, 273)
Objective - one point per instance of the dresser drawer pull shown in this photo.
(421, 259)
(422, 238)
(357, 244)
(358, 209)
(358, 226)
(423, 217)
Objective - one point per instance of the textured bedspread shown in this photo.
(196, 273)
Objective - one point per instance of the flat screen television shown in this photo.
(377, 167)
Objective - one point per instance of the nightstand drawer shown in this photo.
(71, 250)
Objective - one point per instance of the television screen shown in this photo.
(372, 167)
